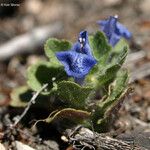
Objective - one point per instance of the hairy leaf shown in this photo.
(115, 90)
(108, 73)
(54, 45)
(122, 43)
(106, 105)
(42, 73)
(73, 94)
(100, 47)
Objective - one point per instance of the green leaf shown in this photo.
(53, 45)
(120, 58)
(91, 79)
(73, 94)
(108, 73)
(122, 43)
(115, 90)
(119, 53)
(110, 59)
(21, 96)
(105, 107)
(42, 73)
(100, 47)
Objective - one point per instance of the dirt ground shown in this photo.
(73, 16)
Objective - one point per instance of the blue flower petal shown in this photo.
(114, 30)
(114, 39)
(65, 59)
(79, 60)
(110, 27)
(89, 62)
(76, 64)
(84, 35)
(123, 31)
(85, 49)
(82, 46)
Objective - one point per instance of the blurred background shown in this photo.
(73, 15)
(26, 24)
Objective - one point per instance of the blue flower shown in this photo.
(78, 61)
(114, 30)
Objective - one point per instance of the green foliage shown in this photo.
(53, 45)
(108, 73)
(42, 73)
(107, 104)
(100, 46)
(115, 90)
(75, 103)
(73, 94)
(109, 62)
(120, 45)
(21, 96)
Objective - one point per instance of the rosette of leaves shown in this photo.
(90, 102)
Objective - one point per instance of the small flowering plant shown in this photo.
(86, 80)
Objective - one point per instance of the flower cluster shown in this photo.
(78, 61)
(114, 30)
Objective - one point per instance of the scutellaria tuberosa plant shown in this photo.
(86, 79)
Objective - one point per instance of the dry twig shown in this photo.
(85, 138)
(32, 101)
